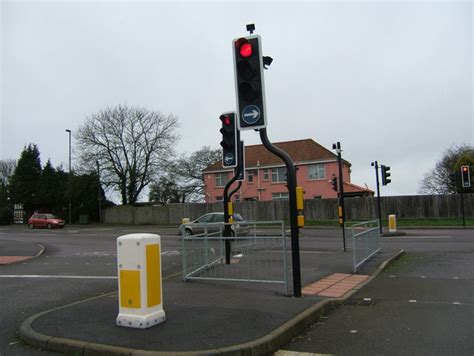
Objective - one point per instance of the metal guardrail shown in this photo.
(260, 256)
(365, 242)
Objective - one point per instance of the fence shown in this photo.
(416, 206)
(365, 242)
(261, 256)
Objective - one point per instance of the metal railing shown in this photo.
(365, 242)
(260, 255)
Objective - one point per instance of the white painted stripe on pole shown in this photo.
(54, 276)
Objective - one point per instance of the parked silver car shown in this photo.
(213, 222)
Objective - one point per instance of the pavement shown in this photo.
(202, 317)
(12, 251)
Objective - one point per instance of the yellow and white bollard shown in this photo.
(139, 279)
(392, 223)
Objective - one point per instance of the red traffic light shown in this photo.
(226, 120)
(246, 50)
(464, 169)
(244, 47)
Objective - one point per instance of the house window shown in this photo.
(278, 175)
(237, 198)
(219, 199)
(266, 175)
(280, 196)
(250, 175)
(221, 179)
(316, 171)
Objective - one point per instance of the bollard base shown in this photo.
(141, 321)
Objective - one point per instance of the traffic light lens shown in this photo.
(246, 70)
(245, 50)
(248, 91)
(227, 121)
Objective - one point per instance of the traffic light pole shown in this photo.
(227, 229)
(462, 208)
(341, 197)
(291, 181)
(378, 195)
(235, 190)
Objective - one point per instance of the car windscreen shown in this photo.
(50, 216)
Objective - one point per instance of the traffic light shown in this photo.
(385, 174)
(465, 177)
(229, 140)
(249, 83)
(334, 183)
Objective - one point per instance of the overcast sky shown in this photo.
(392, 81)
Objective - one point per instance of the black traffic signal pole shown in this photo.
(341, 196)
(227, 229)
(235, 190)
(376, 165)
(462, 208)
(291, 181)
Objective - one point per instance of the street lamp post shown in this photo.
(69, 188)
(99, 196)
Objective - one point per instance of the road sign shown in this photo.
(251, 114)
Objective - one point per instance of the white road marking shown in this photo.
(53, 276)
(456, 303)
(455, 277)
(367, 299)
(353, 331)
(417, 237)
(412, 301)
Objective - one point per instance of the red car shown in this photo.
(45, 220)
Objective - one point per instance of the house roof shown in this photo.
(300, 151)
(353, 188)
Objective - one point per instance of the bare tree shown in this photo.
(7, 167)
(188, 172)
(438, 181)
(132, 145)
(184, 181)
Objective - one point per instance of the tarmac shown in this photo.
(202, 317)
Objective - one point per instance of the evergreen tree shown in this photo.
(25, 180)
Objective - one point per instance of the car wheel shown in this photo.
(49, 226)
(188, 232)
(31, 226)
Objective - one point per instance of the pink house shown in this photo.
(265, 174)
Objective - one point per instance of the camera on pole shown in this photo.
(229, 141)
(385, 174)
(249, 83)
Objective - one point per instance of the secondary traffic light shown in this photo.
(249, 84)
(465, 177)
(229, 140)
(385, 174)
(334, 183)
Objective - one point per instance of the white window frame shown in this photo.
(280, 174)
(319, 171)
(280, 196)
(221, 179)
